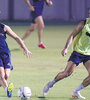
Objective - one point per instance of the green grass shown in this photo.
(44, 65)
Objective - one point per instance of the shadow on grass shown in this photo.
(61, 98)
(4, 96)
(42, 98)
(73, 99)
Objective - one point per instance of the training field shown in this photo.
(44, 65)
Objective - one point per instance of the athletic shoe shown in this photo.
(77, 95)
(9, 90)
(42, 46)
(47, 88)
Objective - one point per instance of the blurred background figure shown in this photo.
(37, 19)
(89, 12)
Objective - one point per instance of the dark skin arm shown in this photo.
(78, 28)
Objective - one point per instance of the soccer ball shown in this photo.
(24, 93)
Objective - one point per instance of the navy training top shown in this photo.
(3, 44)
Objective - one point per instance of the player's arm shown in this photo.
(78, 28)
(49, 2)
(29, 5)
(18, 39)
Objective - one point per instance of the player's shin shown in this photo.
(60, 76)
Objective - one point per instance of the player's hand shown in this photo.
(27, 53)
(32, 8)
(64, 52)
(49, 3)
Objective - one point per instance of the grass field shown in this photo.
(44, 65)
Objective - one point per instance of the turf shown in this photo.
(44, 65)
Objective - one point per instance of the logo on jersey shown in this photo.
(9, 64)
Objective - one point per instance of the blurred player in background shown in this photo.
(37, 19)
(89, 12)
(5, 60)
(80, 54)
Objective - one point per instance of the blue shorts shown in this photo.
(5, 61)
(78, 58)
(38, 10)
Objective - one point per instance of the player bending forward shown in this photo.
(5, 61)
(80, 54)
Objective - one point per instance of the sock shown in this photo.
(79, 88)
(41, 43)
(6, 89)
(52, 83)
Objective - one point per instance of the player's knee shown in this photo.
(41, 27)
(2, 78)
(31, 30)
(34, 28)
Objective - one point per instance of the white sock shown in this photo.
(52, 82)
(41, 43)
(79, 88)
(6, 89)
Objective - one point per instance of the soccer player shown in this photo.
(37, 20)
(81, 53)
(5, 61)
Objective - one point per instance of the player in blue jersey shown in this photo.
(5, 61)
(37, 19)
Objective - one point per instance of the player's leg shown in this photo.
(0, 82)
(40, 23)
(86, 81)
(4, 74)
(3, 82)
(31, 28)
(84, 84)
(67, 72)
(10, 86)
(7, 66)
(1, 71)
